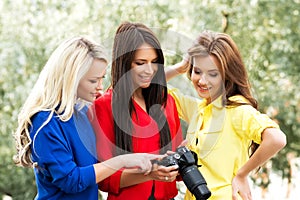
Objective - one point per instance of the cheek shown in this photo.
(194, 78)
(219, 85)
(135, 69)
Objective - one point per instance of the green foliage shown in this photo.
(267, 33)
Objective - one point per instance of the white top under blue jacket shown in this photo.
(65, 153)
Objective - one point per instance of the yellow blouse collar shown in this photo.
(217, 103)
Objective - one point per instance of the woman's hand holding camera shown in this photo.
(162, 173)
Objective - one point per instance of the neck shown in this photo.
(138, 94)
(139, 98)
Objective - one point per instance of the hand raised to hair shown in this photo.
(183, 65)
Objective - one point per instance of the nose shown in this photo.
(202, 80)
(149, 68)
(99, 85)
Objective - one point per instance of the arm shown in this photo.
(158, 173)
(273, 140)
(56, 157)
(177, 69)
(140, 162)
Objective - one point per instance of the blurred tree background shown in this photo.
(267, 33)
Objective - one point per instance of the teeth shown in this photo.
(204, 88)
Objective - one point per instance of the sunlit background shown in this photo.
(267, 33)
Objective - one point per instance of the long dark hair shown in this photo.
(232, 68)
(129, 37)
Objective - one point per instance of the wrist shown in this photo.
(241, 173)
(120, 160)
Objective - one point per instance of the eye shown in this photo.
(139, 63)
(155, 61)
(213, 74)
(93, 81)
(197, 71)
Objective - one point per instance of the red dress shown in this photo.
(145, 139)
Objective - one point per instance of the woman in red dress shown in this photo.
(138, 115)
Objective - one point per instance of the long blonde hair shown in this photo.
(55, 90)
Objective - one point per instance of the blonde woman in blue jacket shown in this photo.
(224, 126)
(54, 134)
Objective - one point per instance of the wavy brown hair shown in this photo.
(231, 67)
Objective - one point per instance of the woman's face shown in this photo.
(144, 66)
(206, 77)
(91, 83)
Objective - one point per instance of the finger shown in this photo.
(174, 173)
(149, 168)
(183, 143)
(168, 169)
(245, 196)
(163, 169)
(249, 197)
(234, 193)
(142, 166)
(170, 152)
(154, 156)
(155, 167)
(234, 196)
(186, 57)
(174, 168)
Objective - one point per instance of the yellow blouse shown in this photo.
(221, 137)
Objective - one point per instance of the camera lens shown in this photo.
(195, 182)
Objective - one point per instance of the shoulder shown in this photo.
(43, 116)
(245, 106)
(104, 98)
(170, 98)
(238, 99)
(47, 124)
(103, 103)
(246, 117)
(180, 97)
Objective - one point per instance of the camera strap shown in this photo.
(152, 197)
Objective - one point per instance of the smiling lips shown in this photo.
(203, 89)
(145, 78)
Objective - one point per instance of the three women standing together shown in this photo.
(139, 115)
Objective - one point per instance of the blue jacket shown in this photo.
(65, 153)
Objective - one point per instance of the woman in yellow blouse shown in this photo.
(224, 125)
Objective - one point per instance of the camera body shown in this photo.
(192, 178)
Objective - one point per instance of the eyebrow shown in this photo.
(98, 77)
(208, 70)
(142, 59)
(212, 70)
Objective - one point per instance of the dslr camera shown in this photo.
(188, 169)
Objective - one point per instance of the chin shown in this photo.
(203, 96)
(146, 85)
